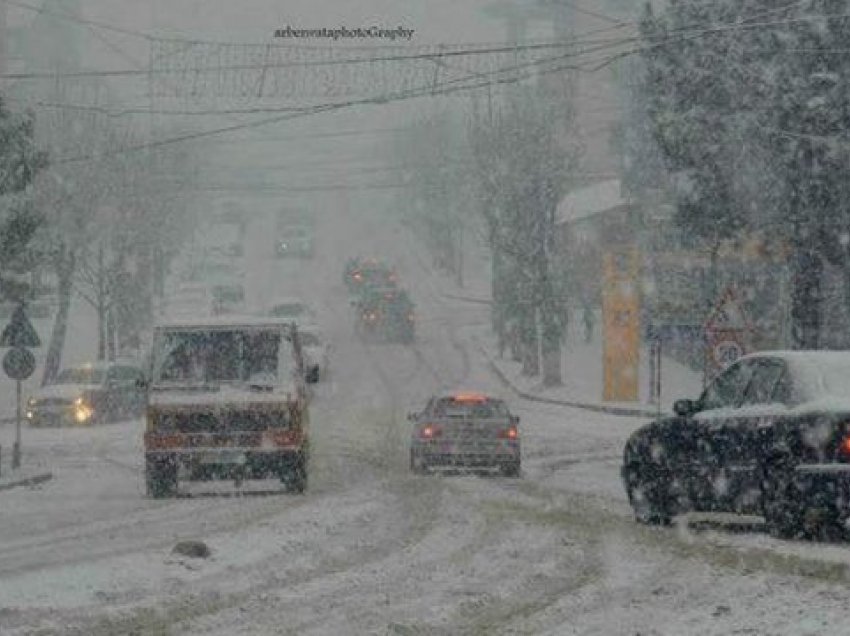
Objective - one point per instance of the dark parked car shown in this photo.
(769, 436)
(89, 394)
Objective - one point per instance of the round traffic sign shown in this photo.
(726, 352)
(19, 363)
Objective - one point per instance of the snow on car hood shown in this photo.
(68, 392)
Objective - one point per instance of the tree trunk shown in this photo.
(101, 306)
(111, 335)
(551, 347)
(53, 358)
(528, 342)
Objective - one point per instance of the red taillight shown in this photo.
(509, 433)
(154, 441)
(281, 437)
(430, 431)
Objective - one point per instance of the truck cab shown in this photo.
(226, 400)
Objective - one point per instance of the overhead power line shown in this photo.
(444, 88)
(74, 18)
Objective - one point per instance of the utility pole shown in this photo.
(4, 34)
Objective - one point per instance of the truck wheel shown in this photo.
(511, 469)
(296, 477)
(161, 477)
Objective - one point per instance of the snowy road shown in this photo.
(371, 549)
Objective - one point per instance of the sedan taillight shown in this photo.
(430, 431)
(510, 433)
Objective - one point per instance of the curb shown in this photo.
(27, 481)
(622, 411)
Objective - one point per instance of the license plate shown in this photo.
(223, 457)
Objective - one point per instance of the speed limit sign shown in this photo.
(726, 352)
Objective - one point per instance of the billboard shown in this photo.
(621, 324)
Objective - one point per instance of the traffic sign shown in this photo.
(726, 352)
(19, 363)
(19, 332)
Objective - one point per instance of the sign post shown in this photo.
(727, 334)
(18, 364)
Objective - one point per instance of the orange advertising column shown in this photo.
(621, 324)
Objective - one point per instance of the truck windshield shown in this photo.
(220, 356)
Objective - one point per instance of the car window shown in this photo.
(762, 386)
(80, 375)
(727, 390)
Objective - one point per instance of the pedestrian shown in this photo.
(587, 315)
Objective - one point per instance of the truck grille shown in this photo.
(226, 421)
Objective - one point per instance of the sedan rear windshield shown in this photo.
(449, 407)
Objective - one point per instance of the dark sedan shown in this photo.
(769, 436)
(89, 394)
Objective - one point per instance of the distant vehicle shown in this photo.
(465, 430)
(224, 239)
(769, 436)
(291, 308)
(316, 352)
(89, 394)
(366, 273)
(385, 314)
(213, 268)
(188, 299)
(295, 240)
(227, 400)
(227, 297)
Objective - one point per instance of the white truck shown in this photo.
(226, 400)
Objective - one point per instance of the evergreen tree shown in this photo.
(20, 161)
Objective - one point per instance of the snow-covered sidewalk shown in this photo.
(23, 476)
(582, 378)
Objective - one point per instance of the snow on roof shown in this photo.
(588, 201)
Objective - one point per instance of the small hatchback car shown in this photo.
(89, 394)
(465, 430)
